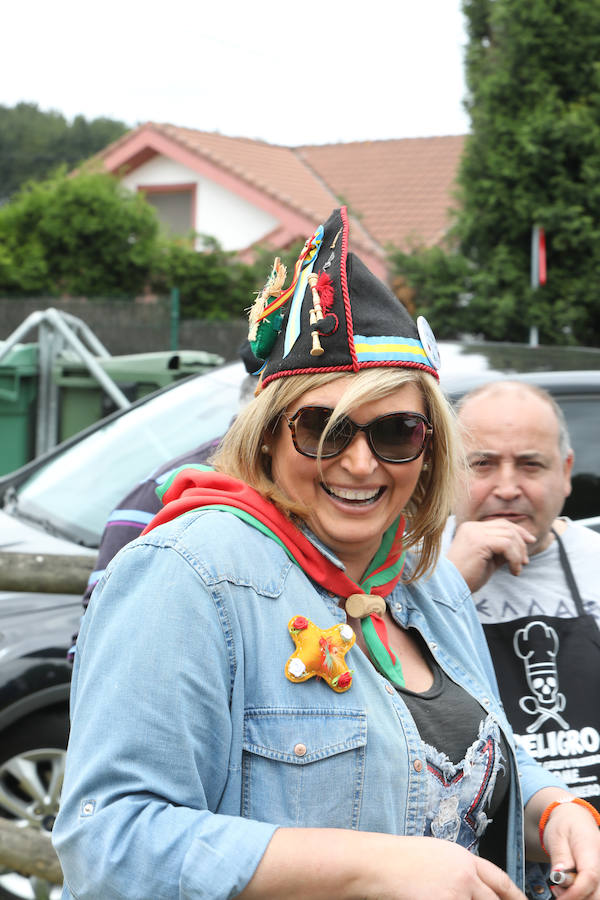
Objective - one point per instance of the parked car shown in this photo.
(53, 510)
(57, 505)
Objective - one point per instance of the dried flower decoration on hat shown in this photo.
(262, 339)
(266, 318)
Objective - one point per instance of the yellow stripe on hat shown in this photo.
(388, 349)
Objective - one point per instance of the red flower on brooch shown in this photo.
(300, 623)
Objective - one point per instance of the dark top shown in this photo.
(466, 758)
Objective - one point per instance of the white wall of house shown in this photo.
(221, 213)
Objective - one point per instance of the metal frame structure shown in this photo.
(56, 331)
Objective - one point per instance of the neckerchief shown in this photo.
(195, 487)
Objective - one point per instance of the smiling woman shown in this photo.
(309, 478)
(322, 718)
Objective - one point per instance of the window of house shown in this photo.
(175, 206)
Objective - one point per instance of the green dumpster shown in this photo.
(83, 401)
(18, 406)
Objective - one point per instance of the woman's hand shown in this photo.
(427, 867)
(572, 840)
(317, 864)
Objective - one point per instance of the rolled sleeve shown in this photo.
(534, 776)
(240, 839)
(150, 749)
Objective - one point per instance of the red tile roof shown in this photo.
(401, 189)
(275, 170)
(397, 191)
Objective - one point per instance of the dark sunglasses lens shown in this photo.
(309, 427)
(311, 424)
(398, 437)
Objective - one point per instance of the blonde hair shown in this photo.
(241, 456)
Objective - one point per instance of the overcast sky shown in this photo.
(289, 73)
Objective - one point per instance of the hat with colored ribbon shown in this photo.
(335, 315)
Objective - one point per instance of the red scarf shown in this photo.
(200, 487)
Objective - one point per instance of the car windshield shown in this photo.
(106, 464)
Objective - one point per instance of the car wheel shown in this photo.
(32, 757)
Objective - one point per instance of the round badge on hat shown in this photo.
(429, 342)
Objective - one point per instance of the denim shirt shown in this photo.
(189, 747)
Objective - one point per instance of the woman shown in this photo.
(267, 701)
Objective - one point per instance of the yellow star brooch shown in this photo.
(320, 652)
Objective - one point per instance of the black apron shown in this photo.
(548, 671)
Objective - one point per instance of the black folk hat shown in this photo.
(335, 315)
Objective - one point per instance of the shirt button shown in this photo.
(433, 645)
(486, 702)
(300, 749)
(88, 808)
(418, 765)
(389, 689)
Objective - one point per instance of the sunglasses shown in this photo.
(398, 437)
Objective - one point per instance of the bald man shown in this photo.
(534, 575)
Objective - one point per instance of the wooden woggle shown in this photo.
(359, 606)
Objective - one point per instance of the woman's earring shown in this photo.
(265, 449)
(425, 466)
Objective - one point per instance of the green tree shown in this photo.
(533, 77)
(438, 282)
(213, 283)
(83, 235)
(34, 143)
(87, 235)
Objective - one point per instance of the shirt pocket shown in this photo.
(304, 767)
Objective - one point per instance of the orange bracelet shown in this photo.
(546, 815)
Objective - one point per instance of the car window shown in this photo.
(105, 465)
(583, 422)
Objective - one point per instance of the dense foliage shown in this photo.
(434, 280)
(81, 235)
(33, 143)
(213, 283)
(533, 73)
(87, 235)
(533, 158)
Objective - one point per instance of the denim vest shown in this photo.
(189, 746)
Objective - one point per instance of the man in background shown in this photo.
(534, 575)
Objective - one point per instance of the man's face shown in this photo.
(517, 473)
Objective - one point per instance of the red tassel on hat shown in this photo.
(325, 291)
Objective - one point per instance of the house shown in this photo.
(246, 192)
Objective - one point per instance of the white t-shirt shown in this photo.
(541, 588)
